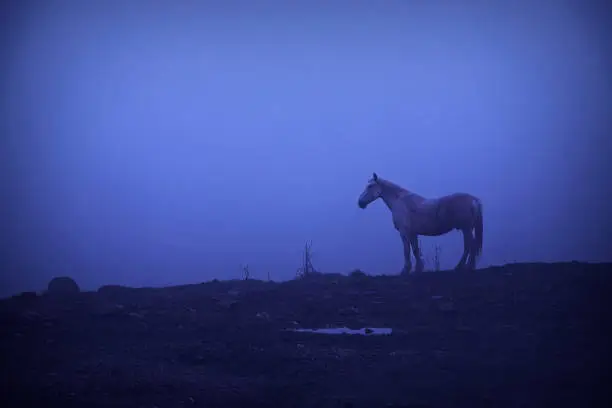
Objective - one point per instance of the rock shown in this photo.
(358, 273)
(63, 286)
(26, 296)
(112, 289)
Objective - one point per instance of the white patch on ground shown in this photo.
(365, 331)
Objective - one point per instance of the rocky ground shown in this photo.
(523, 335)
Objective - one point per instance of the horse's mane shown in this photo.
(401, 191)
(394, 186)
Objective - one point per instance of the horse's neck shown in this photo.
(391, 202)
(397, 196)
(392, 194)
(414, 197)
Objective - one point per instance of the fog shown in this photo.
(160, 143)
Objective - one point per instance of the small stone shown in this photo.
(228, 303)
(30, 315)
(349, 311)
(263, 315)
(446, 307)
(107, 310)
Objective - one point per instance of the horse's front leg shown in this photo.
(414, 241)
(407, 261)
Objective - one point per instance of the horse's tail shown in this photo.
(478, 226)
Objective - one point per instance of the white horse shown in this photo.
(414, 215)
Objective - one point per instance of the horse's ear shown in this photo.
(375, 176)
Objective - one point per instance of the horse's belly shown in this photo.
(435, 231)
(428, 222)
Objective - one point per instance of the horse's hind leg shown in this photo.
(467, 248)
(471, 260)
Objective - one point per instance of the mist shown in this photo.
(158, 143)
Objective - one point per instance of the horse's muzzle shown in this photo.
(361, 204)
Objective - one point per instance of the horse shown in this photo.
(414, 215)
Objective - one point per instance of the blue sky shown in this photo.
(164, 143)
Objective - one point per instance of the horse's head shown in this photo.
(372, 191)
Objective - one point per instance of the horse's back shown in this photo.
(458, 200)
(458, 208)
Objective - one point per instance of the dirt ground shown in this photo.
(522, 335)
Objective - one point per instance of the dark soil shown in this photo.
(523, 335)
